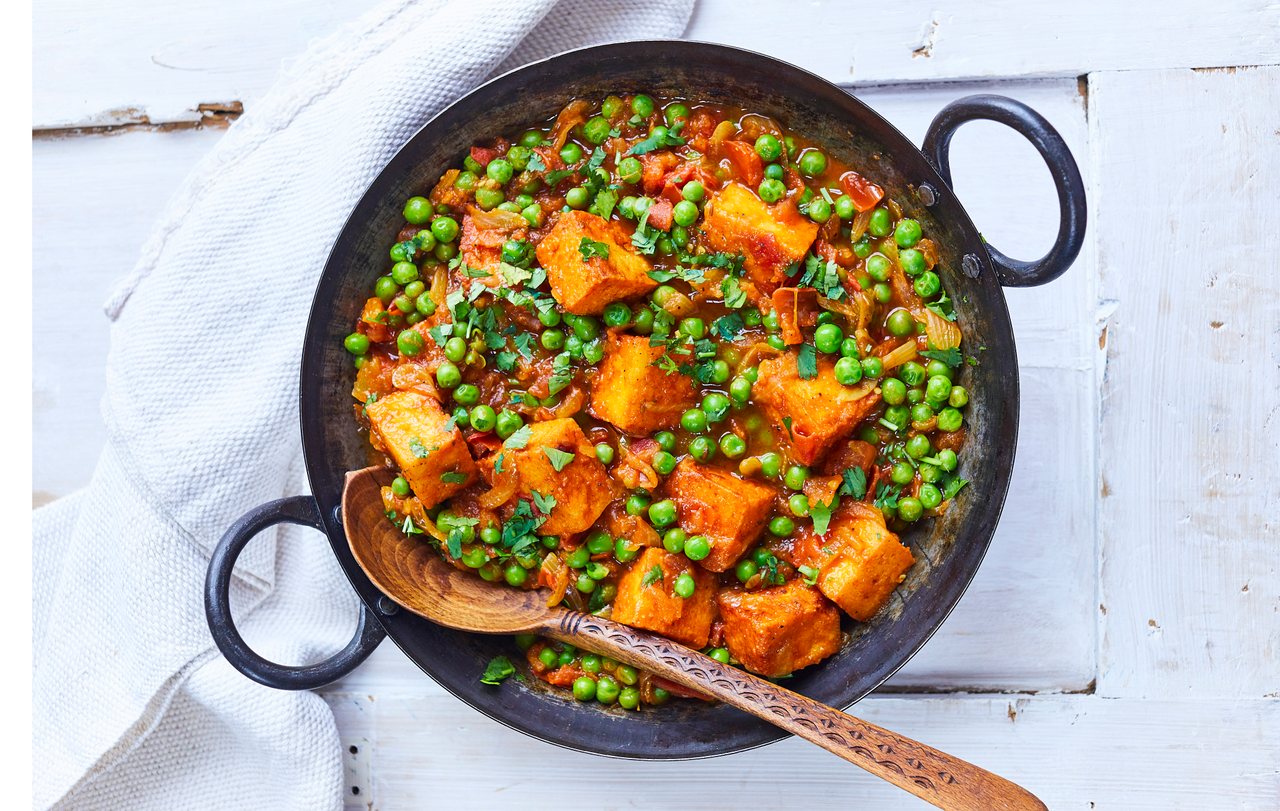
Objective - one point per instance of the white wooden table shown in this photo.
(1120, 647)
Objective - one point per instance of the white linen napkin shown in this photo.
(133, 706)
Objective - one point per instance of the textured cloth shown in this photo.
(133, 706)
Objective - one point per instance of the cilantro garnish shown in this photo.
(787, 422)
(807, 362)
(951, 356)
(523, 343)
(557, 457)
(555, 177)
(418, 449)
(453, 477)
(855, 483)
(660, 139)
(506, 361)
(825, 276)
(412, 246)
(499, 668)
(475, 273)
(561, 373)
(943, 307)
(545, 504)
(821, 514)
(536, 163)
(652, 576)
(497, 463)
(588, 249)
(951, 484)
(734, 296)
(604, 203)
(728, 326)
(519, 439)
(810, 574)
(645, 239)
(441, 333)
(409, 528)
(886, 498)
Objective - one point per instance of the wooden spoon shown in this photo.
(411, 572)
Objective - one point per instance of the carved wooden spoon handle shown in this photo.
(934, 776)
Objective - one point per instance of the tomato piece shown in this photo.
(746, 161)
(660, 215)
(863, 192)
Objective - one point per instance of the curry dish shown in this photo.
(677, 366)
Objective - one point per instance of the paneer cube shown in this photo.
(481, 248)
(769, 237)
(731, 512)
(434, 460)
(859, 561)
(587, 286)
(819, 411)
(581, 487)
(778, 630)
(634, 395)
(647, 598)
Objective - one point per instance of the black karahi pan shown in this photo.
(947, 549)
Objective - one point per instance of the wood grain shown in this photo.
(156, 59)
(1187, 207)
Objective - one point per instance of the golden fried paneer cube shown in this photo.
(647, 598)
(731, 512)
(859, 561)
(778, 630)
(581, 487)
(433, 457)
(770, 237)
(634, 395)
(811, 415)
(587, 286)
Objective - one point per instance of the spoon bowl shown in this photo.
(413, 574)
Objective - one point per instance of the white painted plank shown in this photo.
(102, 62)
(93, 204)
(1187, 205)
(1074, 752)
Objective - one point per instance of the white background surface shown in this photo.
(1120, 647)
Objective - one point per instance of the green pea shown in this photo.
(617, 314)
(584, 688)
(927, 284)
(848, 371)
(445, 251)
(400, 487)
(466, 181)
(770, 465)
(629, 698)
(578, 558)
(902, 473)
(475, 557)
(508, 423)
(585, 583)
(425, 304)
(879, 267)
(912, 262)
(693, 191)
(882, 293)
(630, 170)
(607, 690)
(939, 388)
(398, 253)
(679, 236)
(549, 658)
(918, 446)
(403, 303)
(612, 106)
(912, 373)
(796, 476)
(819, 210)
(947, 459)
(386, 289)
(604, 452)
(356, 343)
(740, 389)
(697, 547)
(404, 273)
(771, 190)
(958, 397)
(566, 656)
(445, 229)
(900, 323)
(417, 210)
(642, 105)
(746, 569)
(666, 440)
(827, 338)
(771, 321)
(599, 542)
(586, 327)
(662, 513)
(664, 462)
(578, 198)
(776, 342)
(516, 575)
(673, 540)
(489, 199)
(862, 248)
(910, 509)
(500, 170)
(596, 130)
(880, 223)
(685, 585)
(702, 449)
(693, 327)
(665, 245)
(685, 213)
(894, 391)
(949, 419)
(637, 503)
(921, 412)
(466, 394)
(460, 417)
(732, 446)
(930, 496)
(721, 655)
(514, 252)
(455, 349)
(844, 207)
(626, 674)
(768, 147)
(694, 420)
(447, 375)
(715, 403)
(813, 162)
(898, 415)
(624, 551)
(799, 505)
(674, 113)
(937, 367)
(907, 233)
(570, 153)
(409, 342)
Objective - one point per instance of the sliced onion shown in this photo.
(504, 487)
(556, 575)
(419, 515)
(942, 333)
(496, 220)
(900, 355)
(679, 305)
(722, 131)
(859, 225)
(573, 114)
(440, 285)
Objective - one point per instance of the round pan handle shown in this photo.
(217, 605)
(1066, 177)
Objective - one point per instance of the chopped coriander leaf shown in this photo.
(886, 497)
(561, 373)
(951, 485)
(810, 574)
(536, 163)
(418, 449)
(449, 425)
(660, 139)
(545, 504)
(453, 477)
(733, 294)
(855, 483)
(728, 326)
(497, 463)
(807, 362)
(499, 668)
(951, 356)
(590, 249)
(557, 457)
(821, 514)
(518, 439)
(604, 203)
(652, 576)
(506, 361)
(786, 421)
(524, 342)
(645, 239)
